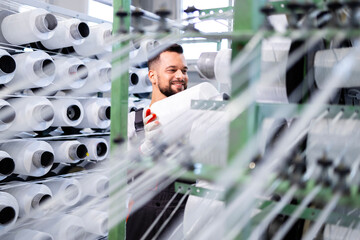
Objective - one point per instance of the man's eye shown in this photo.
(184, 71)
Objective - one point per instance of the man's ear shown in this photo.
(152, 76)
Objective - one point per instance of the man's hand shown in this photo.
(152, 131)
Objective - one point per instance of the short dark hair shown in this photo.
(172, 48)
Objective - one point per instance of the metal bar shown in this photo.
(106, 2)
(246, 18)
(197, 191)
(153, 17)
(280, 6)
(293, 110)
(208, 105)
(119, 115)
(60, 10)
(313, 213)
(215, 10)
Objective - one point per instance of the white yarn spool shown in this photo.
(95, 222)
(139, 81)
(334, 139)
(96, 42)
(7, 115)
(274, 58)
(68, 33)
(326, 60)
(7, 67)
(30, 198)
(30, 26)
(7, 165)
(199, 210)
(71, 73)
(172, 107)
(32, 158)
(69, 112)
(99, 78)
(97, 113)
(222, 66)
(141, 54)
(95, 185)
(32, 113)
(337, 232)
(98, 148)
(71, 151)
(65, 190)
(210, 144)
(29, 234)
(34, 70)
(9, 210)
(63, 227)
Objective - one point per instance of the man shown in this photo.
(168, 76)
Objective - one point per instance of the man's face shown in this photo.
(171, 73)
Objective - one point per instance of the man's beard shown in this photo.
(167, 91)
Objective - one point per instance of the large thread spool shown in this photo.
(336, 232)
(7, 165)
(326, 60)
(96, 42)
(165, 109)
(94, 184)
(294, 80)
(139, 57)
(9, 210)
(72, 227)
(28, 234)
(31, 198)
(69, 112)
(99, 78)
(7, 67)
(68, 33)
(71, 151)
(66, 191)
(95, 222)
(216, 65)
(30, 26)
(206, 64)
(97, 113)
(203, 132)
(32, 158)
(7, 115)
(34, 70)
(98, 148)
(139, 81)
(71, 73)
(274, 57)
(32, 113)
(334, 140)
(193, 221)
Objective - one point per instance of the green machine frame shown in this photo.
(119, 111)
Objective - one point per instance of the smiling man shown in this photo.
(168, 73)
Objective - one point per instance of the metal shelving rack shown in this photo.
(66, 13)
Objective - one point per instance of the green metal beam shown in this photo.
(246, 18)
(215, 10)
(310, 213)
(119, 115)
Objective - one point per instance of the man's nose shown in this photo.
(179, 74)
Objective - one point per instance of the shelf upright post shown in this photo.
(247, 18)
(119, 115)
